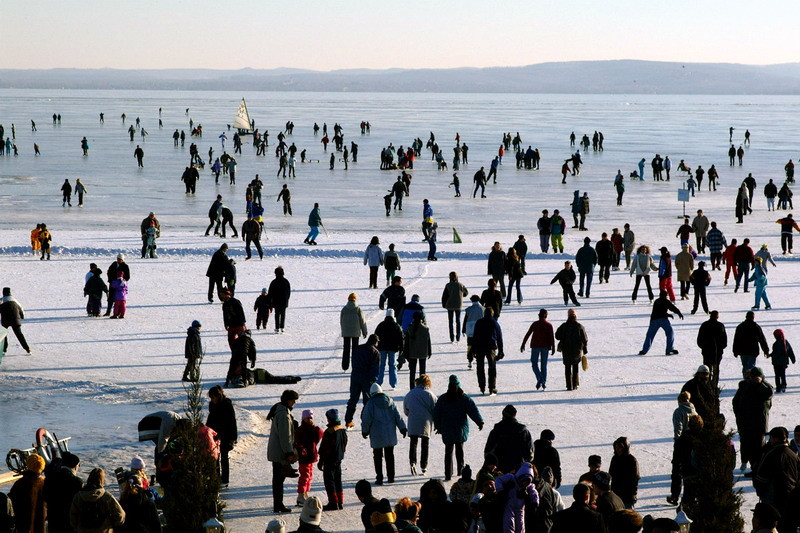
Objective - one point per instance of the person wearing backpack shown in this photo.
(93, 509)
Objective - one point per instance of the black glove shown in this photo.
(252, 364)
(500, 355)
(404, 432)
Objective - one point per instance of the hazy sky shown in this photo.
(326, 34)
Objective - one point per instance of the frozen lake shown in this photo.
(94, 379)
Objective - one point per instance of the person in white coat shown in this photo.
(418, 407)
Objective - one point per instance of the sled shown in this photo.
(46, 445)
(156, 427)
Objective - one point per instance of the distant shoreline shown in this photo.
(577, 77)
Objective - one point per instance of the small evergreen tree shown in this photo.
(192, 495)
(717, 508)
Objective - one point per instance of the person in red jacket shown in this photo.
(787, 225)
(306, 439)
(730, 263)
(542, 341)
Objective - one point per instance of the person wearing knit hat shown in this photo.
(262, 308)
(511, 441)
(60, 487)
(311, 515)
(390, 342)
(545, 454)
(27, 498)
(451, 416)
(383, 518)
(353, 325)
(417, 347)
(306, 438)
(380, 421)
(276, 526)
(331, 455)
(35, 463)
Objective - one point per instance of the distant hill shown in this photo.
(587, 77)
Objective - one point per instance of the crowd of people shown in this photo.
(517, 487)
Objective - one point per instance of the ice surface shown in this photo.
(94, 379)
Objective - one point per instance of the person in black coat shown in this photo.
(222, 419)
(545, 454)
(566, 278)
(487, 345)
(251, 232)
(704, 393)
(117, 266)
(521, 246)
(747, 340)
(242, 349)
(510, 441)
(497, 266)
(141, 515)
(280, 290)
(394, 297)
(751, 405)
(712, 341)
(492, 298)
(216, 271)
(214, 220)
(60, 487)
(390, 342)
(700, 279)
(233, 317)
(605, 257)
(579, 516)
(624, 472)
(193, 351)
(11, 316)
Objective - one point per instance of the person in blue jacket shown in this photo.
(487, 344)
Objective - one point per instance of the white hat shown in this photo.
(312, 511)
(121, 256)
(375, 389)
(276, 526)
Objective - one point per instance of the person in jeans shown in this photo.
(542, 342)
(659, 319)
(390, 341)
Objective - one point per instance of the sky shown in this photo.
(327, 35)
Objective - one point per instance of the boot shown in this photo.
(340, 500)
(301, 498)
(333, 502)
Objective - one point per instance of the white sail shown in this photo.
(242, 120)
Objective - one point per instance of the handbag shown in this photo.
(584, 363)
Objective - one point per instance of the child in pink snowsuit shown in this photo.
(306, 439)
(119, 289)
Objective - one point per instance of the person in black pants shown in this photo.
(700, 279)
(566, 278)
(216, 271)
(11, 316)
(487, 344)
(222, 419)
(279, 292)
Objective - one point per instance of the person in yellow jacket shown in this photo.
(35, 245)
